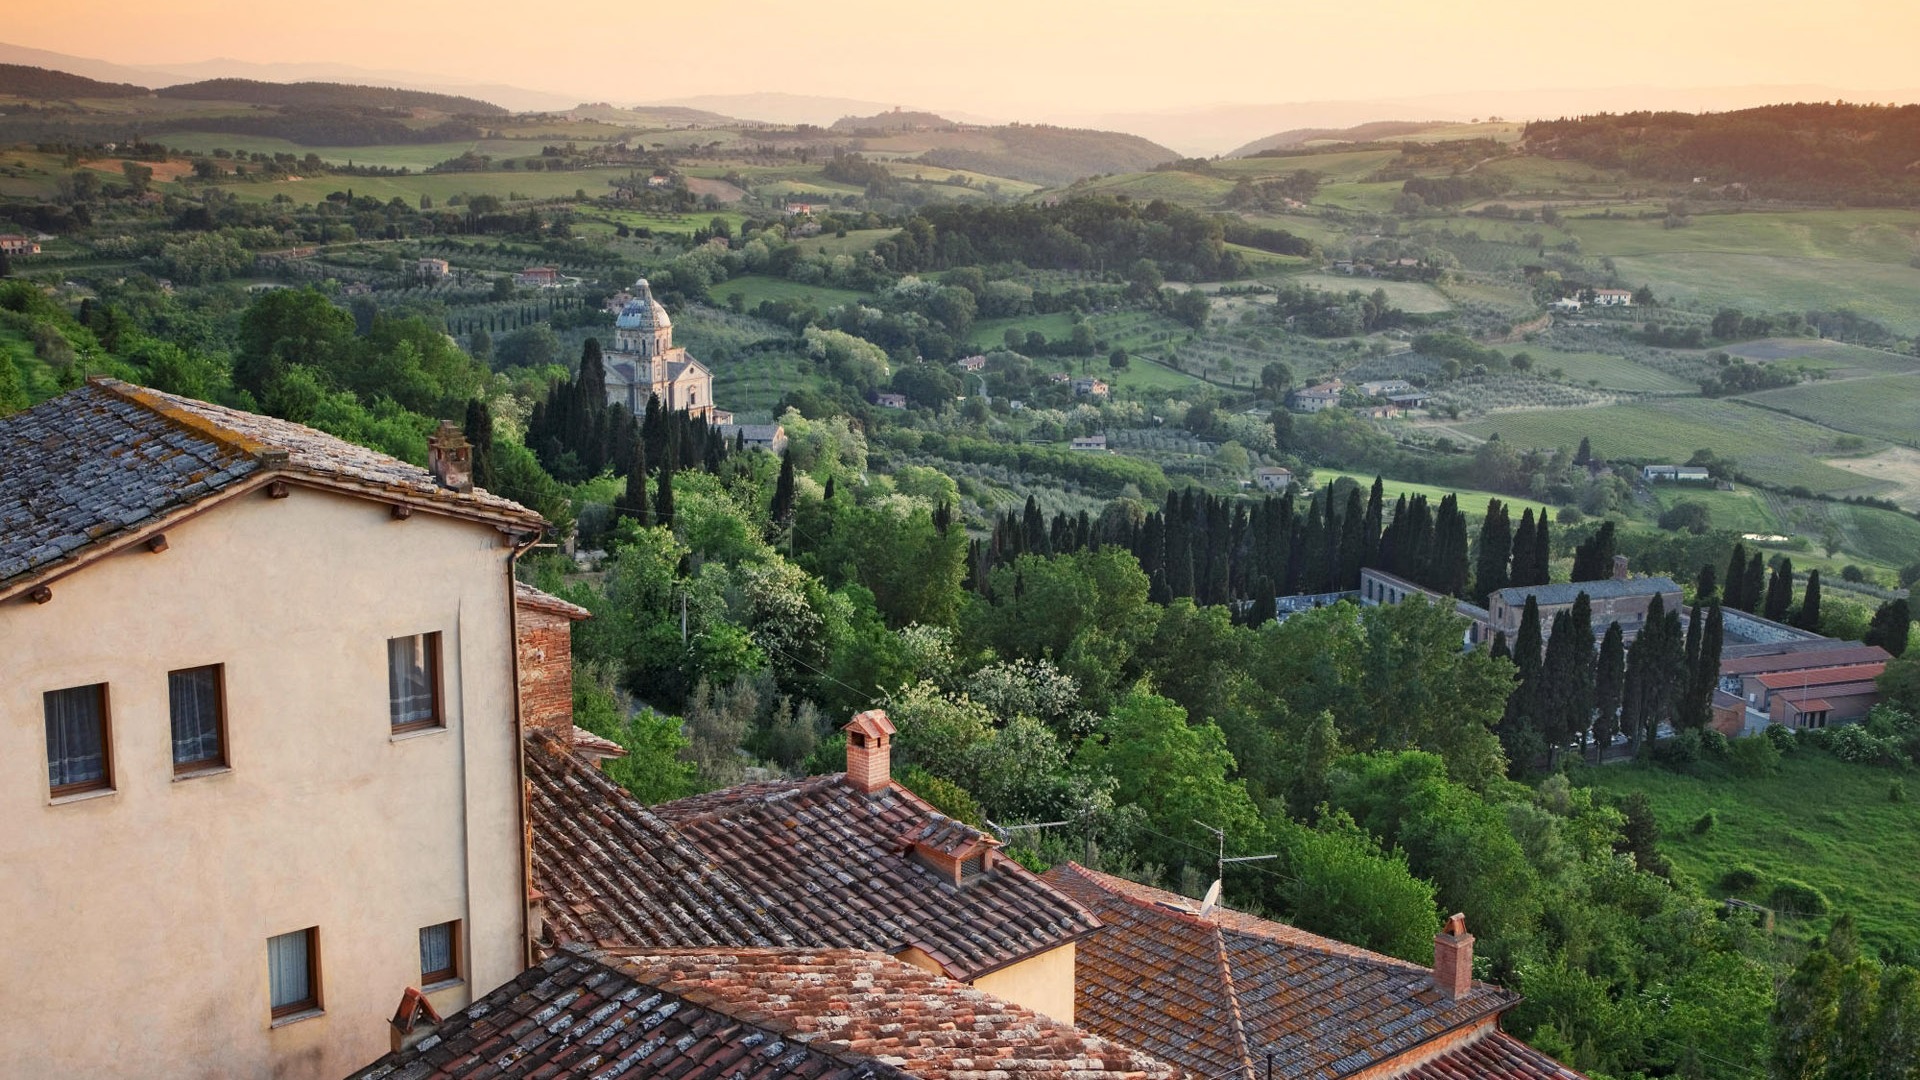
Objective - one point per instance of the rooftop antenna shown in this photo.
(1220, 864)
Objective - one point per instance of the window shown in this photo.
(197, 699)
(78, 755)
(439, 956)
(413, 682)
(293, 972)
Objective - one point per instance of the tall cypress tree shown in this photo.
(479, 432)
(1519, 727)
(1705, 584)
(1522, 572)
(1808, 617)
(1892, 624)
(1780, 591)
(663, 495)
(782, 509)
(1450, 549)
(1353, 542)
(1753, 590)
(1593, 560)
(1553, 711)
(1735, 594)
(1373, 523)
(1608, 675)
(1542, 552)
(1580, 691)
(632, 504)
(1495, 549)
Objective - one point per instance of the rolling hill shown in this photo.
(1378, 129)
(1048, 155)
(322, 95)
(42, 84)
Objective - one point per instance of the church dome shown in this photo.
(643, 312)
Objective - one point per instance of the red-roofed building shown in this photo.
(1814, 697)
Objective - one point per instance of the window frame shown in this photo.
(221, 759)
(310, 1003)
(451, 973)
(436, 675)
(105, 781)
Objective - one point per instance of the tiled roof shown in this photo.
(1565, 592)
(849, 1002)
(102, 461)
(587, 1016)
(830, 863)
(1216, 994)
(1791, 656)
(1494, 1056)
(526, 596)
(1822, 676)
(613, 873)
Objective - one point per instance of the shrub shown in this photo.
(1678, 752)
(1897, 791)
(1742, 878)
(1705, 823)
(1755, 755)
(1713, 745)
(1781, 736)
(1797, 898)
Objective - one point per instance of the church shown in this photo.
(644, 363)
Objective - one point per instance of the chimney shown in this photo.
(1619, 568)
(869, 751)
(450, 457)
(413, 1021)
(1453, 958)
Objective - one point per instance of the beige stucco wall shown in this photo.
(137, 922)
(1043, 983)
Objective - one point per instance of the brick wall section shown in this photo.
(545, 644)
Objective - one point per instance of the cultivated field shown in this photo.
(1608, 372)
(1898, 466)
(1409, 296)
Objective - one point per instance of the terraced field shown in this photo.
(1608, 372)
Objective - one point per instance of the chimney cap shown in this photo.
(414, 1007)
(1457, 923)
(872, 723)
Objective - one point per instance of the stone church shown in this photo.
(644, 363)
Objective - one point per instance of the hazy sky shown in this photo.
(1031, 58)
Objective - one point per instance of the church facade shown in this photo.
(644, 362)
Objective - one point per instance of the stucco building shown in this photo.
(644, 362)
(259, 740)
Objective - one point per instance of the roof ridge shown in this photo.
(167, 408)
(1233, 1001)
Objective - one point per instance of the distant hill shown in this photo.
(1378, 129)
(329, 95)
(896, 120)
(649, 115)
(1048, 155)
(41, 84)
(1860, 153)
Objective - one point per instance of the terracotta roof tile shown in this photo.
(829, 862)
(853, 1003)
(1215, 994)
(109, 458)
(1494, 1056)
(526, 596)
(585, 1016)
(614, 873)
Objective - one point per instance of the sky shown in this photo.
(1022, 59)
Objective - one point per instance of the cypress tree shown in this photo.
(1553, 713)
(1735, 595)
(1593, 560)
(1584, 455)
(782, 510)
(1705, 584)
(632, 504)
(479, 432)
(1033, 528)
(1373, 524)
(1499, 647)
(1753, 590)
(1519, 727)
(1608, 676)
(1580, 691)
(1495, 549)
(1353, 542)
(1891, 625)
(1542, 552)
(1780, 591)
(1450, 549)
(1522, 571)
(663, 495)
(1706, 673)
(1808, 617)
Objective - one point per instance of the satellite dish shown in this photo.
(1213, 898)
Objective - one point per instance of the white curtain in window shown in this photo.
(436, 948)
(409, 680)
(194, 698)
(288, 969)
(76, 751)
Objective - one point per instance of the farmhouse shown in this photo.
(1386, 387)
(1677, 474)
(1252, 994)
(15, 244)
(537, 277)
(890, 401)
(1315, 398)
(1814, 697)
(1411, 399)
(1089, 442)
(1566, 305)
(431, 268)
(645, 364)
(1273, 478)
(972, 363)
(768, 437)
(1613, 297)
(271, 778)
(1090, 387)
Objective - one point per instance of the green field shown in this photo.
(1411, 296)
(1609, 372)
(1880, 407)
(416, 157)
(758, 287)
(1372, 198)
(1188, 189)
(1741, 510)
(1820, 821)
(1346, 165)
(603, 222)
(1769, 447)
(1472, 503)
(855, 242)
(992, 333)
(441, 186)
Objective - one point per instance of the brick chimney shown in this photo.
(1453, 958)
(1619, 568)
(543, 631)
(413, 1021)
(450, 457)
(869, 751)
